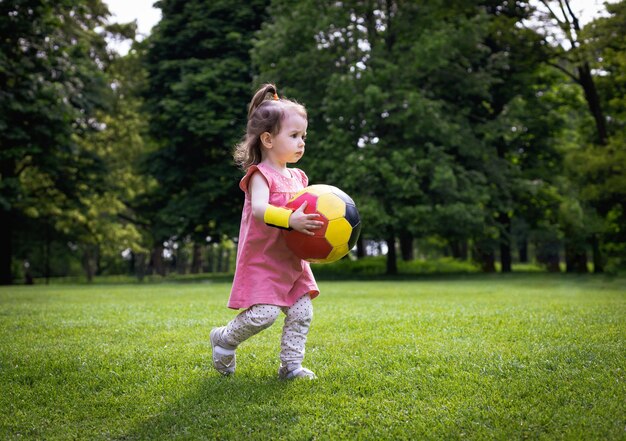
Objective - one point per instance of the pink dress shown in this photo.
(267, 271)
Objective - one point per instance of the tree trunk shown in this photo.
(157, 260)
(575, 259)
(505, 258)
(6, 247)
(220, 258)
(132, 263)
(226, 260)
(547, 254)
(46, 255)
(505, 242)
(196, 261)
(98, 261)
(585, 79)
(598, 261)
(485, 257)
(7, 175)
(28, 275)
(553, 264)
(522, 247)
(90, 261)
(459, 249)
(406, 246)
(593, 101)
(392, 259)
(211, 258)
(181, 259)
(360, 248)
(140, 266)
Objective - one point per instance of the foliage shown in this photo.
(107, 223)
(57, 165)
(590, 57)
(425, 112)
(602, 169)
(375, 267)
(457, 123)
(51, 87)
(198, 86)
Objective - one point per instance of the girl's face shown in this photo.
(287, 146)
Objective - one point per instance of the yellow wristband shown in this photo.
(277, 217)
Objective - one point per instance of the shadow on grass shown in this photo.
(238, 407)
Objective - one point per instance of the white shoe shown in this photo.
(299, 372)
(224, 360)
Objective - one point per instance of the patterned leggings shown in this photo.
(259, 317)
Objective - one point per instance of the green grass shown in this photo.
(480, 357)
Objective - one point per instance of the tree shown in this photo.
(519, 125)
(199, 78)
(601, 168)
(569, 59)
(411, 111)
(105, 223)
(580, 54)
(52, 84)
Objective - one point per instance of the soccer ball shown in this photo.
(341, 229)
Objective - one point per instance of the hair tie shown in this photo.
(275, 96)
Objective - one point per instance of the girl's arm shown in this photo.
(260, 196)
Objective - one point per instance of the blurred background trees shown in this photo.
(198, 66)
(478, 130)
(61, 182)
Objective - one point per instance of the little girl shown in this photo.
(269, 278)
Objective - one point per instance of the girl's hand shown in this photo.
(304, 223)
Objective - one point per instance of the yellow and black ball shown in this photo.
(341, 229)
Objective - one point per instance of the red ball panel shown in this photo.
(311, 208)
(311, 200)
(307, 247)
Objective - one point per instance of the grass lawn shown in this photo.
(475, 357)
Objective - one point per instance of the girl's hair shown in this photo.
(265, 113)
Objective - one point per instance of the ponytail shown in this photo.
(266, 92)
(265, 113)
